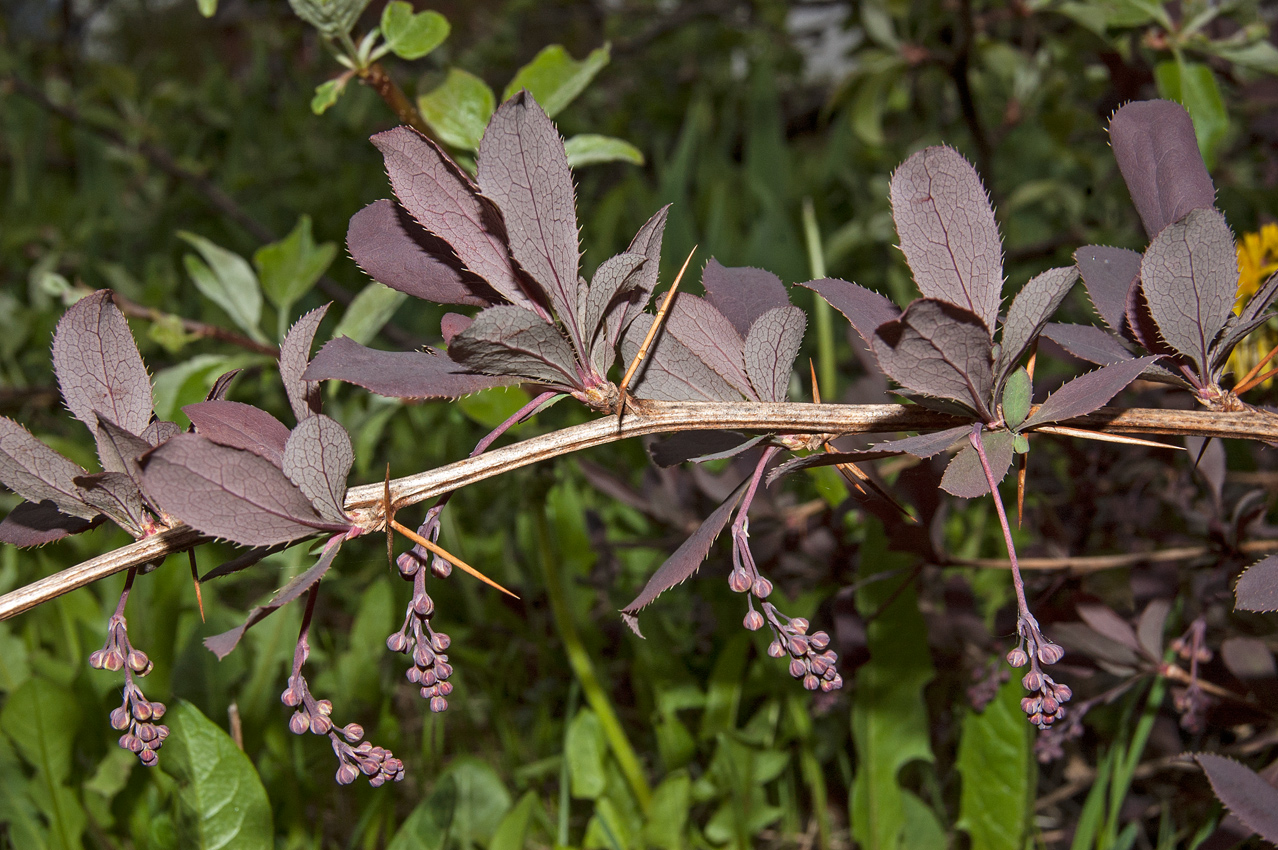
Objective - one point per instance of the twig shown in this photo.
(376, 78)
(1094, 563)
(365, 503)
(190, 326)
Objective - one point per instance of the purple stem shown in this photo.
(518, 416)
(743, 512)
(975, 438)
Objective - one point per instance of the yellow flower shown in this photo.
(1257, 260)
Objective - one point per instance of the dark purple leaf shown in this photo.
(295, 356)
(947, 231)
(1257, 588)
(1088, 342)
(1157, 151)
(221, 645)
(398, 374)
(925, 445)
(1253, 800)
(1112, 657)
(118, 449)
(31, 524)
(770, 349)
(1088, 392)
(670, 372)
(393, 249)
(1150, 628)
(614, 280)
(1030, 310)
(451, 324)
(864, 308)
(98, 365)
(1261, 300)
(939, 349)
(115, 494)
(1108, 274)
(1105, 622)
(1141, 327)
(160, 430)
(687, 558)
(222, 385)
(240, 426)
(648, 243)
(743, 294)
(1189, 278)
(818, 459)
(317, 459)
(1249, 659)
(523, 168)
(230, 493)
(36, 472)
(1208, 458)
(1236, 330)
(965, 475)
(684, 445)
(445, 202)
(242, 561)
(709, 335)
(512, 341)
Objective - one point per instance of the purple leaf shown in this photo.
(31, 524)
(222, 385)
(1208, 457)
(818, 459)
(115, 494)
(700, 446)
(36, 472)
(709, 335)
(770, 349)
(671, 372)
(925, 445)
(688, 557)
(1262, 299)
(1249, 659)
(1030, 310)
(230, 493)
(445, 202)
(98, 365)
(743, 294)
(1150, 628)
(523, 168)
(965, 475)
(240, 426)
(118, 449)
(1253, 800)
(393, 249)
(864, 308)
(295, 356)
(317, 459)
(451, 324)
(1157, 151)
(1257, 588)
(398, 374)
(1189, 277)
(648, 243)
(614, 280)
(160, 430)
(221, 645)
(1108, 274)
(1088, 342)
(1105, 622)
(1236, 330)
(947, 231)
(1141, 327)
(939, 349)
(512, 341)
(1088, 392)
(242, 561)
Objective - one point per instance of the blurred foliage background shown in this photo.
(132, 129)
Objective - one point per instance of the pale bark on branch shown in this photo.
(365, 503)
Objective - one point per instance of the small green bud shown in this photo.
(1020, 444)
(1017, 393)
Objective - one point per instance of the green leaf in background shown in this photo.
(586, 750)
(40, 719)
(411, 36)
(221, 799)
(458, 109)
(591, 149)
(1193, 85)
(555, 79)
(208, 8)
(14, 666)
(18, 812)
(668, 817)
(188, 382)
(889, 715)
(994, 761)
(333, 18)
(1260, 55)
(606, 829)
(327, 93)
(511, 833)
(481, 800)
(922, 829)
(369, 312)
(426, 828)
(290, 267)
(723, 691)
(494, 406)
(228, 281)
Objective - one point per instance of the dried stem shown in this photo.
(366, 503)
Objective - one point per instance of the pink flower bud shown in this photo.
(811, 682)
(438, 704)
(299, 723)
(753, 621)
(820, 640)
(1050, 653)
(119, 719)
(352, 732)
(157, 710)
(148, 758)
(291, 698)
(1033, 680)
(440, 642)
(800, 625)
(797, 668)
(1017, 657)
(739, 581)
(397, 642)
(775, 649)
(761, 587)
(346, 774)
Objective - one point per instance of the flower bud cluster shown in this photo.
(425, 646)
(355, 756)
(1192, 702)
(118, 652)
(1046, 703)
(811, 659)
(745, 574)
(136, 718)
